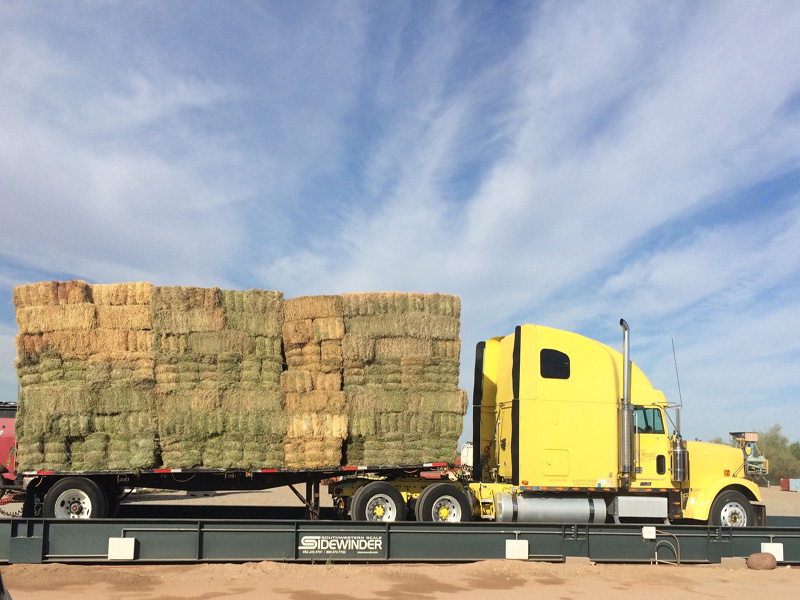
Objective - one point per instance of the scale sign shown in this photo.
(345, 546)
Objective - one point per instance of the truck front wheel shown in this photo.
(731, 509)
(75, 498)
(378, 501)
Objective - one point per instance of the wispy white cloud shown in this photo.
(553, 163)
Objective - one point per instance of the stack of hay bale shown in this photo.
(313, 329)
(401, 360)
(86, 374)
(217, 366)
(132, 376)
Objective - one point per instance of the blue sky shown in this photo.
(560, 163)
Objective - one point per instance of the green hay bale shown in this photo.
(296, 381)
(184, 299)
(413, 325)
(115, 400)
(357, 350)
(383, 303)
(376, 400)
(405, 348)
(254, 398)
(318, 401)
(312, 307)
(190, 320)
(331, 358)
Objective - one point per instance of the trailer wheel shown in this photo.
(378, 501)
(444, 503)
(731, 509)
(75, 498)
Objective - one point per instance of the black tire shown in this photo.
(75, 498)
(444, 503)
(420, 499)
(731, 509)
(378, 501)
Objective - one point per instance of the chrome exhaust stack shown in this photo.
(626, 412)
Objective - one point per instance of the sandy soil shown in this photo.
(513, 579)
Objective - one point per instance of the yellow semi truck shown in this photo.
(566, 429)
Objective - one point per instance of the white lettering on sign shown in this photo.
(340, 544)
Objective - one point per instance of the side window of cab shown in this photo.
(647, 420)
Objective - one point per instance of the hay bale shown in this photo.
(60, 317)
(312, 307)
(122, 294)
(331, 328)
(318, 401)
(127, 317)
(51, 293)
(185, 299)
(297, 332)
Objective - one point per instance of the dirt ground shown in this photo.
(513, 579)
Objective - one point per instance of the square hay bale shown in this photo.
(134, 317)
(331, 359)
(316, 425)
(296, 381)
(252, 398)
(330, 382)
(417, 325)
(302, 453)
(122, 294)
(60, 317)
(318, 401)
(51, 293)
(264, 302)
(184, 299)
(403, 348)
(330, 328)
(357, 350)
(297, 332)
(312, 307)
(190, 320)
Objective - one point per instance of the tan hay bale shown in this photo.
(62, 317)
(331, 328)
(405, 348)
(301, 453)
(110, 341)
(446, 349)
(122, 294)
(297, 332)
(330, 382)
(137, 317)
(316, 425)
(312, 307)
(44, 293)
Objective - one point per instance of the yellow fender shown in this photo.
(698, 505)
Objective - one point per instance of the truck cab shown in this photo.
(567, 426)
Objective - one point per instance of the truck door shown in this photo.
(651, 447)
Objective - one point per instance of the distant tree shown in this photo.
(784, 459)
(717, 440)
